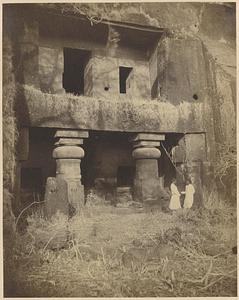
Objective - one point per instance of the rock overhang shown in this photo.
(38, 109)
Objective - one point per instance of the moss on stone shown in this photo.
(69, 111)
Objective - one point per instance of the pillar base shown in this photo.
(146, 191)
(56, 197)
(64, 196)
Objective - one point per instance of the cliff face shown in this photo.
(194, 64)
(196, 58)
(199, 58)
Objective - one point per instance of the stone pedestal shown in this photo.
(68, 155)
(146, 155)
(56, 196)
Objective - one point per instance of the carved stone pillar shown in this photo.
(146, 155)
(66, 193)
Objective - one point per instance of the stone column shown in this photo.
(66, 187)
(146, 155)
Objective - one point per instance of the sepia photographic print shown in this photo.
(119, 149)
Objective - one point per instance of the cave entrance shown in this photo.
(108, 162)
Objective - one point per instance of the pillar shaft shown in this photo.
(146, 168)
(68, 160)
(146, 155)
(68, 169)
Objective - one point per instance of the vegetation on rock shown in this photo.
(41, 109)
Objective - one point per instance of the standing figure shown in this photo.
(175, 197)
(189, 192)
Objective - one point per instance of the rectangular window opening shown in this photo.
(125, 74)
(75, 61)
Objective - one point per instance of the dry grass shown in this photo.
(226, 169)
(112, 252)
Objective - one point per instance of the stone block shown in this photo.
(63, 195)
(75, 195)
(69, 142)
(123, 194)
(56, 196)
(148, 137)
(146, 144)
(72, 134)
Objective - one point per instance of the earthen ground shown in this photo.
(120, 252)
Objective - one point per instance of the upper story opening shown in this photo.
(75, 61)
(106, 60)
(125, 79)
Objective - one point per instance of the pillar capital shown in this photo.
(147, 144)
(68, 152)
(147, 140)
(68, 142)
(68, 133)
(146, 153)
(156, 137)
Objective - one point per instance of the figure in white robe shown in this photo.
(189, 195)
(175, 197)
